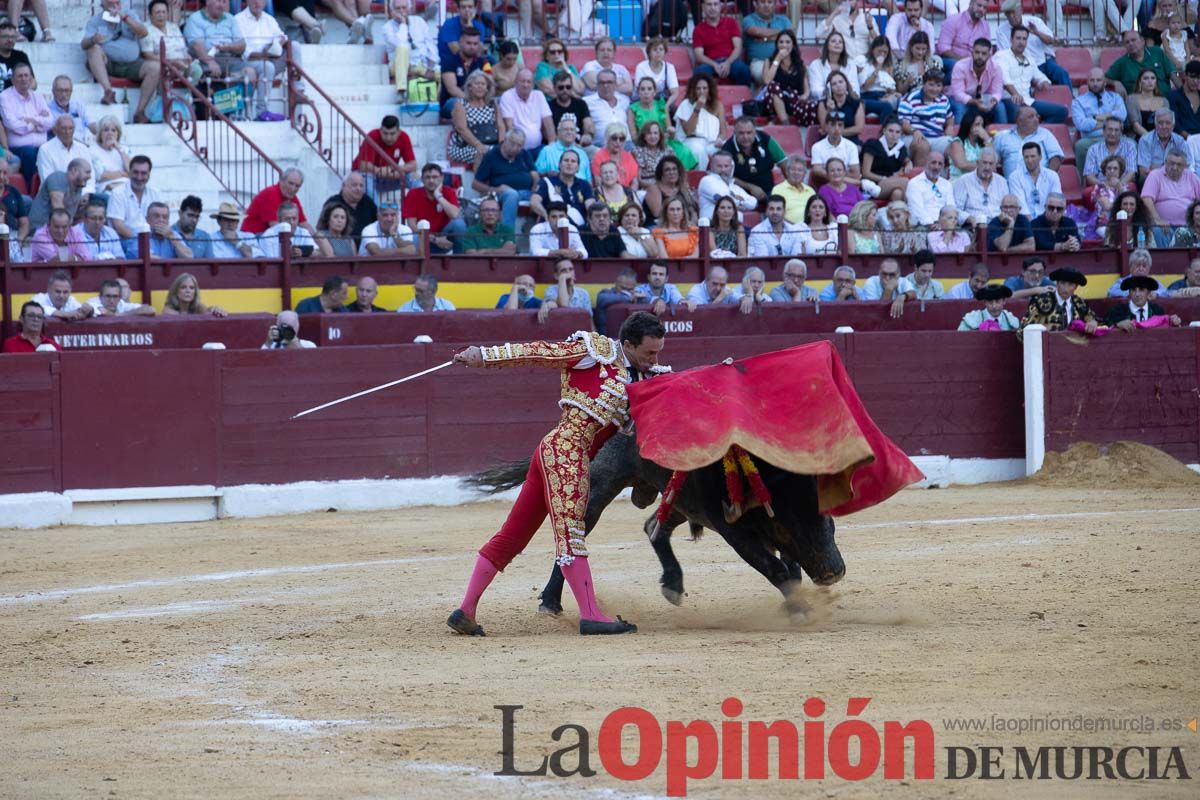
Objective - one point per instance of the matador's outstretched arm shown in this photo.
(553, 355)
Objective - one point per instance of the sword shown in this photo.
(381, 387)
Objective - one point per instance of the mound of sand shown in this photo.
(1120, 465)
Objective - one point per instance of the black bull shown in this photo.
(802, 537)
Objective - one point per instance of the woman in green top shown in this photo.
(864, 238)
(964, 148)
(649, 107)
(554, 61)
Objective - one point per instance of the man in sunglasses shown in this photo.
(1053, 229)
(565, 103)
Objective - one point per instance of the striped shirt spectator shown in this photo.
(925, 115)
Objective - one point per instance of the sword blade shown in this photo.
(379, 388)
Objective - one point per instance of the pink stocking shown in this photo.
(481, 577)
(579, 578)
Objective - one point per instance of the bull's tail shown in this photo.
(500, 477)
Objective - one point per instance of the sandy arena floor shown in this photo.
(308, 656)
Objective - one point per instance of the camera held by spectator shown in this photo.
(285, 334)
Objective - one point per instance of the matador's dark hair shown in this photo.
(639, 325)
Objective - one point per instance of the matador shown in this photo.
(595, 371)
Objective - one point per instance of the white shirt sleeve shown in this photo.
(541, 241)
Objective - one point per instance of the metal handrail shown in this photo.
(238, 164)
(331, 133)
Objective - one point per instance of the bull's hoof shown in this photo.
(674, 597)
(594, 627)
(459, 622)
(550, 608)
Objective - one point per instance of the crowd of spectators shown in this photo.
(935, 116)
(899, 115)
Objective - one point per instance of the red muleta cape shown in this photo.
(795, 409)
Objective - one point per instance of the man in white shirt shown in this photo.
(63, 148)
(564, 286)
(978, 193)
(928, 192)
(775, 236)
(834, 145)
(387, 235)
(719, 183)
(264, 51)
(303, 243)
(527, 110)
(411, 32)
(101, 241)
(922, 281)
(543, 237)
(425, 298)
(1021, 77)
(1041, 40)
(58, 302)
(129, 202)
(715, 290)
(889, 286)
(606, 106)
(1035, 183)
(110, 304)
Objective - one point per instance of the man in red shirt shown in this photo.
(439, 208)
(32, 319)
(717, 45)
(264, 208)
(382, 178)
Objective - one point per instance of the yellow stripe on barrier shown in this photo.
(472, 295)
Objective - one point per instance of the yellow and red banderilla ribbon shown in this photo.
(736, 464)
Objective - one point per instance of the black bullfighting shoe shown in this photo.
(594, 627)
(459, 622)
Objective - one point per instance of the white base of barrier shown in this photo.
(943, 471)
(141, 506)
(264, 500)
(164, 504)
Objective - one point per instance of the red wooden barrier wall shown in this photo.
(779, 318)
(145, 333)
(30, 423)
(248, 331)
(443, 326)
(1140, 387)
(168, 417)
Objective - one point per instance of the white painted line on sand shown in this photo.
(214, 577)
(1015, 518)
(193, 607)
